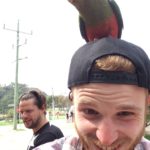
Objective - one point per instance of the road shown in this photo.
(18, 140)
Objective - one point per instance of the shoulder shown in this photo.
(47, 134)
(54, 127)
(52, 130)
(57, 131)
(50, 127)
(143, 145)
(56, 144)
(65, 143)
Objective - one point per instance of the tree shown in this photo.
(7, 97)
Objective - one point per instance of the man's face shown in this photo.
(109, 116)
(30, 114)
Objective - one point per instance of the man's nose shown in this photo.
(107, 132)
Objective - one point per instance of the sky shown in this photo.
(45, 58)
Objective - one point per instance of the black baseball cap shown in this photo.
(82, 61)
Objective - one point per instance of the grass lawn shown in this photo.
(147, 136)
(3, 123)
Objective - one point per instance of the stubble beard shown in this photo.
(34, 123)
(87, 141)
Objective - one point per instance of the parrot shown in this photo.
(98, 19)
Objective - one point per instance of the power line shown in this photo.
(16, 71)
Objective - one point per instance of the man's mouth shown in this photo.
(116, 147)
(26, 121)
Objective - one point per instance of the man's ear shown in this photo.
(70, 96)
(148, 100)
(43, 108)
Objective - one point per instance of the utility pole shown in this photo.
(53, 105)
(16, 72)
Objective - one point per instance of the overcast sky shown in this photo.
(55, 38)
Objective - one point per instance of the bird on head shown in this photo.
(98, 18)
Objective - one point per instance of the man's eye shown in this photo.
(28, 111)
(125, 114)
(90, 112)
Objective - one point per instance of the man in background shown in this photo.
(32, 109)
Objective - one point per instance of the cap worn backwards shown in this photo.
(84, 58)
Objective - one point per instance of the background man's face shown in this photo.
(109, 116)
(30, 113)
